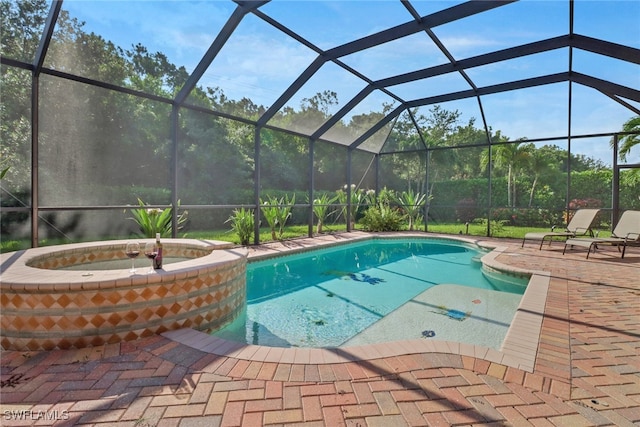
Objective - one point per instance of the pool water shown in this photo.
(327, 297)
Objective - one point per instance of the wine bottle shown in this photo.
(157, 262)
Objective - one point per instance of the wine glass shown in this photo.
(132, 250)
(151, 251)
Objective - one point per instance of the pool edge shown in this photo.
(519, 348)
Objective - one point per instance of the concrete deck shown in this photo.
(572, 359)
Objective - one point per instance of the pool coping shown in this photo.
(519, 348)
(19, 275)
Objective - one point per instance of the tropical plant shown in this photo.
(539, 164)
(283, 213)
(369, 198)
(269, 209)
(242, 224)
(412, 204)
(276, 212)
(628, 141)
(386, 196)
(512, 157)
(154, 220)
(322, 209)
(382, 217)
(358, 198)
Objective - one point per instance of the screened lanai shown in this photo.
(482, 115)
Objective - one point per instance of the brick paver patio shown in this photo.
(586, 370)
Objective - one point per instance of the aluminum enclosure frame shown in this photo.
(425, 24)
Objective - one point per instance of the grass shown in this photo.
(296, 231)
(290, 232)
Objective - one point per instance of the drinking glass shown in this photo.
(151, 251)
(132, 250)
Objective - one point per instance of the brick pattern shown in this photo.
(117, 306)
(587, 372)
(146, 382)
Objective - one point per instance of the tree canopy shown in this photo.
(100, 146)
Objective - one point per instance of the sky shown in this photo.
(259, 61)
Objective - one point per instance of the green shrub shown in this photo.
(382, 218)
(466, 210)
(276, 212)
(359, 198)
(322, 209)
(242, 224)
(269, 210)
(497, 227)
(154, 220)
(413, 205)
(284, 213)
(526, 217)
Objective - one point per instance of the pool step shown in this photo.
(476, 261)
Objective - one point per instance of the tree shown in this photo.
(467, 165)
(539, 164)
(22, 23)
(404, 136)
(512, 157)
(440, 125)
(628, 141)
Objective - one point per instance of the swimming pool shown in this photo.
(376, 290)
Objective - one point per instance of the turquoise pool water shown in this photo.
(329, 297)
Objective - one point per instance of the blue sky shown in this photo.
(259, 62)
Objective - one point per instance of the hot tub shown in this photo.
(45, 305)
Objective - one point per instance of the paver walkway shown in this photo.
(586, 373)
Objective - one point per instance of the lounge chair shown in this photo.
(626, 233)
(580, 224)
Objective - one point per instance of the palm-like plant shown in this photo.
(269, 210)
(358, 198)
(626, 142)
(510, 157)
(283, 212)
(276, 212)
(412, 204)
(321, 207)
(540, 164)
(242, 224)
(154, 220)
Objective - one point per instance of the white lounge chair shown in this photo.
(626, 233)
(580, 224)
